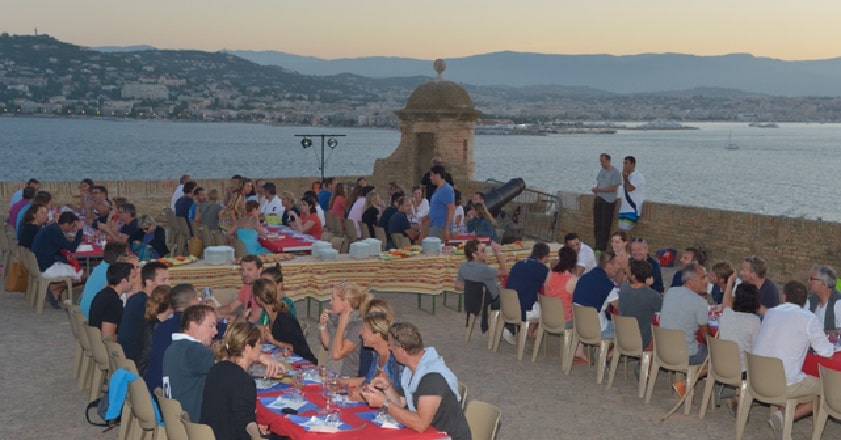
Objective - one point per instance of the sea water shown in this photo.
(792, 170)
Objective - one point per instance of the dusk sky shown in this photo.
(784, 29)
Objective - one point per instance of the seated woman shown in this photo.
(374, 334)
(339, 327)
(308, 221)
(33, 220)
(371, 214)
(739, 323)
(229, 402)
(275, 274)
(480, 222)
(248, 229)
(562, 281)
(157, 311)
(280, 328)
(151, 235)
(420, 205)
(337, 202)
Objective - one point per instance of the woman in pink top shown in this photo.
(337, 202)
(562, 281)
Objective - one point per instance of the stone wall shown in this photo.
(791, 245)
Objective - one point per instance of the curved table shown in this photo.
(810, 364)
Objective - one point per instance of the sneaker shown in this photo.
(508, 337)
(53, 302)
(776, 422)
(680, 388)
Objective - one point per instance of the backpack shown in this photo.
(101, 406)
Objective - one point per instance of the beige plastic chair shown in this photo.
(239, 247)
(142, 412)
(327, 236)
(725, 367)
(476, 291)
(253, 431)
(350, 233)
(830, 400)
(101, 361)
(39, 283)
(197, 431)
(671, 353)
(171, 412)
(628, 343)
(115, 352)
(587, 330)
(483, 419)
(400, 240)
(79, 352)
(337, 243)
(509, 312)
(462, 394)
(767, 383)
(87, 364)
(366, 233)
(379, 234)
(551, 321)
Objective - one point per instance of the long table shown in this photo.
(312, 279)
(810, 364)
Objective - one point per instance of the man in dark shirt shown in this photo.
(152, 275)
(390, 210)
(527, 278)
(399, 222)
(639, 251)
(594, 286)
(48, 245)
(107, 307)
(753, 271)
(428, 396)
(183, 204)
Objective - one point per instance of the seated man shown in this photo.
(126, 225)
(48, 247)
(427, 394)
(100, 209)
(719, 276)
(399, 222)
(189, 358)
(250, 268)
(97, 280)
(271, 205)
(527, 277)
(586, 257)
(753, 271)
(152, 275)
(684, 309)
(180, 297)
(107, 307)
(639, 251)
(18, 195)
(475, 269)
(638, 300)
(824, 301)
(27, 194)
(787, 332)
(396, 200)
(692, 254)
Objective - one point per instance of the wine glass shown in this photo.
(285, 353)
(298, 385)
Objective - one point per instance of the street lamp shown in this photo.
(306, 142)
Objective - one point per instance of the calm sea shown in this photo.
(793, 170)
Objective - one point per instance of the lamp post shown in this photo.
(306, 142)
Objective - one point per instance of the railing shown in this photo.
(532, 214)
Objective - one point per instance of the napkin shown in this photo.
(286, 401)
(344, 400)
(264, 385)
(84, 248)
(387, 422)
(317, 424)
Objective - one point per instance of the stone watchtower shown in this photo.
(439, 120)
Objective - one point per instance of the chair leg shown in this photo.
(96, 384)
(789, 418)
(471, 321)
(77, 361)
(819, 421)
(652, 379)
(125, 421)
(521, 339)
(84, 375)
(614, 365)
(566, 342)
(706, 398)
(691, 374)
(604, 347)
(745, 401)
(498, 327)
(537, 341)
(573, 344)
(645, 364)
(493, 319)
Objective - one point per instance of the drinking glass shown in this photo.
(285, 353)
(298, 384)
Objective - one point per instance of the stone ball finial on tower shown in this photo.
(440, 66)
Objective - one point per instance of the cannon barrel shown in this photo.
(496, 199)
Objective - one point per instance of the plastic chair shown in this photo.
(86, 366)
(366, 233)
(115, 352)
(41, 283)
(143, 411)
(510, 312)
(830, 400)
(171, 412)
(379, 234)
(337, 243)
(551, 321)
(587, 330)
(628, 343)
(101, 362)
(197, 431)
(767, 383)
(671, 353)
(483, 419)
(79, 352)
(400, 240)
(476, 299)
(350, 235)
(725, 367)
(462, 394)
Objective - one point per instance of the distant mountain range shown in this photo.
(647, 73)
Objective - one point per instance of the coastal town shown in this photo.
(42, 76)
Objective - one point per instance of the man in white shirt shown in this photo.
(631, 195)
(271, 203)
(586, 257)
(179, 190)
(824, 301)
(786, 333)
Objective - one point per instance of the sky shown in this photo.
(429, 29)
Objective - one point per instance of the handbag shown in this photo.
(17, 278)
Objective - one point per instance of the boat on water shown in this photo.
(660, 124)
(763, 125)
(730, 145)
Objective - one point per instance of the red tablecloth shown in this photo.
(285, 244)
(280, 424)
(456, 239)
(810, 364)
(96, 252)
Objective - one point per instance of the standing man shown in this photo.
(633, 194)
(442, 205)
(325, 193)
(824, 301)
(753, 271)
(179, 190)
(427, 182)
(604, 201)
(586, 256)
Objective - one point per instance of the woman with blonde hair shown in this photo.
(371, 214)
(339, 327)
(229, 402)
(480, 222)
(157, 311)
(374, 335)
(280, 328)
